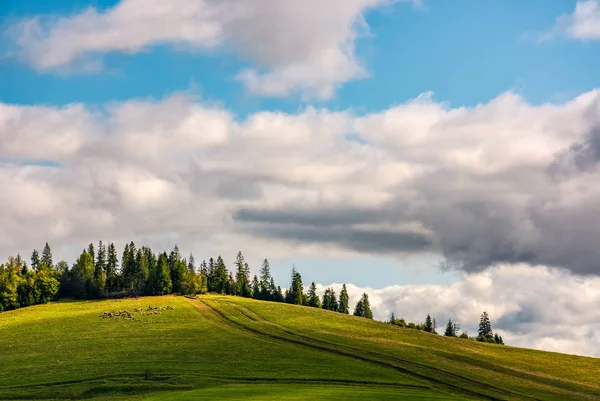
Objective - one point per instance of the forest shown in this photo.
(98, 273)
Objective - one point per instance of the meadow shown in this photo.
(219, 347)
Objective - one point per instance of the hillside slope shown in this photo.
(218, 347)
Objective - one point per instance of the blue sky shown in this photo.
(466, 52)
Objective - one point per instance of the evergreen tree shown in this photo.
(485, 327)
(363, 307)
(191, 264)
(241, 277)
(225, 281)
(204, 268)
(278, 297)
(83, 276)
(178, 270)
(47, 256)
(313, 298)
(111, 269)
(255, 287)
(428, 324)
(101, 257)
(160, 278)
(143, 271)
(90, 250)
(330, 300)
(450, 329)
(265, 288)
(344, 301)
(35, 260)
(295, 294)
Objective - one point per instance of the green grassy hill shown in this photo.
(218, 347)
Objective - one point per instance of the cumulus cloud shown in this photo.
(305, 47)
(502, 182)
(582, 24)
(532, 307)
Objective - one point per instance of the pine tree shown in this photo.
(90, 250)
(35, 260)
(255, 287)
(265, 290)
(450, 332)
(428, 324)
(295, 294)
(313, 298)
(101, 257)
(111, 269)
(143, 272)
(47, 256)
(330, 300)
(363, 308)
(191, 264)
(241, 277)
(160, 279)
(344, 301)
(204, 268)
(224, 280)
(485, 327)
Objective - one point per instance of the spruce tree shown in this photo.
(265, 289)
(191, 267)
(35, 260)
(160, 279)
(485, 327)
(296, 291)
(343, 305)
(330, 300)
(47, 256)
(241, 277)
(101, 257)
(450, 332)
(313, 298)
(91, 251)
(363, 307)
(428, 324)
(111, 269)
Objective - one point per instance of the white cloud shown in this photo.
(305, 47)
(531, 307)
(503, 182)
(582, 24)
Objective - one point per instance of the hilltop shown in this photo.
(217, 347)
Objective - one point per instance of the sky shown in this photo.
(440, 156)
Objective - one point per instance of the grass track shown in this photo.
(218, 347)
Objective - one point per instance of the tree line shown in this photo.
(485, 333)
(98, 273)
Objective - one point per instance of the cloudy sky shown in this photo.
(442, 156)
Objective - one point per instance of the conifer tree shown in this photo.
(241, 277)
(265, 290)
(204, 268)
(363, 307)
(313, 298)
(485, 327)
(143, 271)
(295, 294)
(47, 256)
(191, 264)
(255, 287)
(160, 279)
(344, 301)
(450, 329)
(225, 281)
(428, 324)
(330, 300)
(91, 251)
(101, 257)
(35, 260)
(111, 269)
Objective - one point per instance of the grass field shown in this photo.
(218, 347)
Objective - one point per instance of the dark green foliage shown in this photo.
(295, 294)
(398, 322)
(266, 285)
(242, 277)
(485, 328)
(191, 265)
(47, 257)
(35, 260)
(330, 300)
(313, 298)
(429, 327)
(255, 287)
(464, 335)
(343, 306)
(450, 329)
(363, 308)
